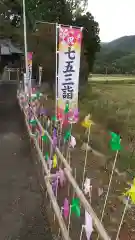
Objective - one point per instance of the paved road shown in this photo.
(20, 198)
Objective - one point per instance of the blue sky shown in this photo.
(116, 18)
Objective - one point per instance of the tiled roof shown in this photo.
(7, 48)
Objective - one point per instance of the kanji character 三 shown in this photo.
(68, 77)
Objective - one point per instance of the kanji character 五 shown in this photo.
(69, 67)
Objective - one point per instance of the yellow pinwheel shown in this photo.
(54, 161)
(131, 192)
(87, 122)
(88, 117)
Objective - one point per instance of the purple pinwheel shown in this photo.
(54, 186)
(42, 111)
(54, 141)
(54, 137)
(30, 114)
(54, 132)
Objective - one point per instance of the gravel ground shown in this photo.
(21, 208)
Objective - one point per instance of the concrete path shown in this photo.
(20, 197)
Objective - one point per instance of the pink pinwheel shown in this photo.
(76, 115)
(59, 116)
(48, 123)
(50, 164)
(62, 177)
(88, 225)
(87, 185)
(66, 208)
(72, 141)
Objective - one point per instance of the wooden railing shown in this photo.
(41, 148)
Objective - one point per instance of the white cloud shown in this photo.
(116, 18)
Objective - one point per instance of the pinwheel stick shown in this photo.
(75, 179)
(90, 193)
(56, 195)
(86, 156)
(42, 145)
(69, 182)
(60, 134)
(68, 149)
(122, 219)
(108, 190)
(81, 234)
(59, 228)
(69, 219)
(99, 227)
(109, 185)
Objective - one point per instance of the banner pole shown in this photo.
(26, 50)
(40, 75)
(56, 76)
(25, 38)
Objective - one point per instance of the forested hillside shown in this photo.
(117, 56)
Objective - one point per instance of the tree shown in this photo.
(90, 37)
(70, 12)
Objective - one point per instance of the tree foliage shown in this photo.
(70, 12)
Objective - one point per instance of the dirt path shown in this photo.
(20, 198)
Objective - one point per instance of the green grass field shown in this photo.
(111, 78)
(113, 109)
